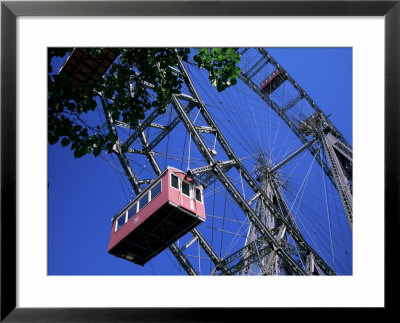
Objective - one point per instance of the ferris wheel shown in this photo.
(266, 175)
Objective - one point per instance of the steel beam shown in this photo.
(200, 170)
(288, 159)
(119, 151)
(341, 146)
(168, 128)
(227, 183)
(210, 252)
(254, 66)
(232, 189)
(140, 129)
(341, 180)
(292, 103)
(186, 265)
(301, 91)
(149, 154)
(290, 124)
(173, 248)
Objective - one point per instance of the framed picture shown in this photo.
(82, 24)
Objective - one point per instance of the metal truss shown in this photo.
(230, 187)
(136, 184)
(336, 152)
(294, 127)
(333, 143)
(216, 170)
(303, 94)
(233, 191)
(270, 243)
(205, 174)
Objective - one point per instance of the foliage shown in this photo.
(125, 82)
(221, 65)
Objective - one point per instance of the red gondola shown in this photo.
(273, 81)
(166, 210)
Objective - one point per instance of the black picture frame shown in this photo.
(10, 10)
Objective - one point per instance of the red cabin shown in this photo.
(273, 81)
(167, 209)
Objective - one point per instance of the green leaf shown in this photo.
(65, 142)
(79, 153)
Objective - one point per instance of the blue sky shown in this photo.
(85, 193)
